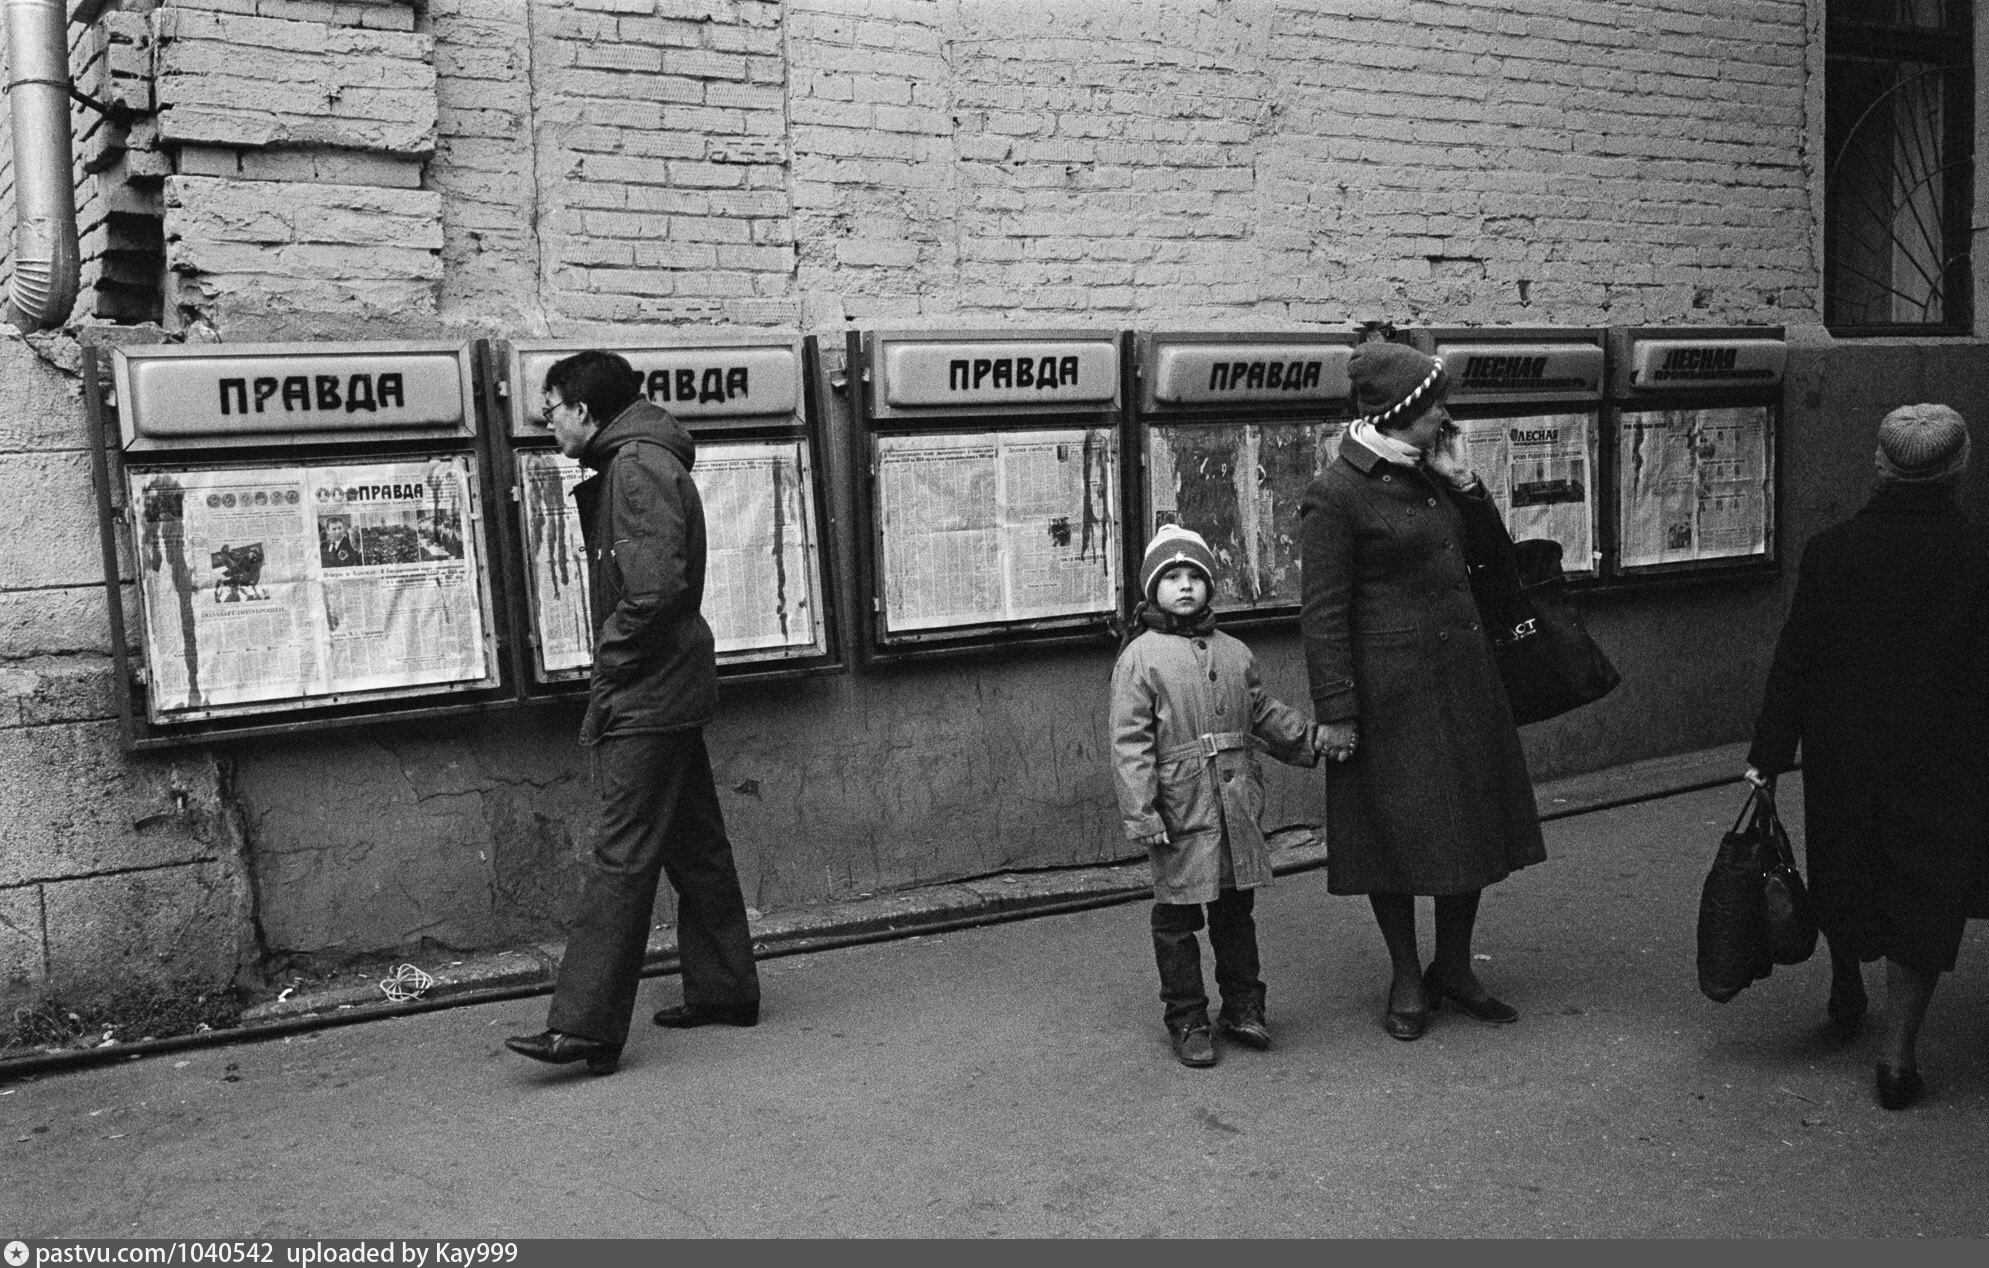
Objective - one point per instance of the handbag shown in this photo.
(1545, 656)
(1754, 911)
(1786, 911)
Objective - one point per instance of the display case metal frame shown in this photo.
(1156, 365)
(123, 446)
(514, 399)
(873, 357)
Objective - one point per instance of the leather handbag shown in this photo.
(1546, 657)
(1786, 911)
(1754, 911)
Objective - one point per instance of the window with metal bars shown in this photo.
(1898, 166)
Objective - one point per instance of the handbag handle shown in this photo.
(1747, 807)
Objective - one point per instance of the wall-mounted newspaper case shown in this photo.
(745, 398)
(992, 486)
(1529, 403)
(1694, 415)
(1233, 429)
(303, 527)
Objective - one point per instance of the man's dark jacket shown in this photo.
(643, 524)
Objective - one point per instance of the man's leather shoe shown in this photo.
(556, 1047)
(1193, 1046)
(1898, 1088)
(1246, 1026)
(1482, 1005)
(685, 1016)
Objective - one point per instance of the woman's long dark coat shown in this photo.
(1437, 799)
(1881, 675)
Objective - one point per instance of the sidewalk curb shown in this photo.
(521, 972)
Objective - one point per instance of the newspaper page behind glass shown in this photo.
(286, 583)
(1240, 486)
(228, 581)
(556, 560)
(1695, 484)
(400, 575)
(1536, 469)
(762, 585)
(994, 527)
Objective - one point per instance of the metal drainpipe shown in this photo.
(46, 255)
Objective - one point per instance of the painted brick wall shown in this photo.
(661, 160)
(1254, 162)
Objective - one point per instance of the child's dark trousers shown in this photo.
(1233, 938)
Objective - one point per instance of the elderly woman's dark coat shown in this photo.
(1881, 676)
(1437, 799)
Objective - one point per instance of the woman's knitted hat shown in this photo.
(1918, 444)
(1173, 545)
(1391, 378)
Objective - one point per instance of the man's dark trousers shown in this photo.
(659, 815)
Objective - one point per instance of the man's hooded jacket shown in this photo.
(643, 524)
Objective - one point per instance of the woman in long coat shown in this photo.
(1881, 677)
(1427, 792)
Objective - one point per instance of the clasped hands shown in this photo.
(1336, 740)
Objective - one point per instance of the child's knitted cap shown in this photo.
(1173, 545)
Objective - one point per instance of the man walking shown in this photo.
(654, 687)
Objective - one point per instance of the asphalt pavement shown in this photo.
(1013, 1080)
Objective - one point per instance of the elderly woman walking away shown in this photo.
(1426, 790)
(1881, 677)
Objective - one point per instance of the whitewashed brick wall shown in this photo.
(662, 161)
(1547, 161)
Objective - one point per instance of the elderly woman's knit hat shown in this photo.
(1918, 444)
(1393, 382)
(1173, 545)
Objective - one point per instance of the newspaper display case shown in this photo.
(1232, 429)
(303, 533)
(748, 402)
(991, 472)
(1694, 418)
(1529, 403)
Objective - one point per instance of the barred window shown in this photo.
(1898, 166)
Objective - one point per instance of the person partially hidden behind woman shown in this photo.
(1426, 787)
(1881, 678)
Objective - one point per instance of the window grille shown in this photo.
(1898, 166)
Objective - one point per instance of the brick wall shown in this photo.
(1253, 162)
(661, 152)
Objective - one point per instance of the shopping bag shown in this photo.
(1545, 656)
(1549, 663)
(1733, 920)
(1788, 919)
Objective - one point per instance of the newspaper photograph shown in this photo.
(1694, 484)
(1240, 485)
(762, 586)
(1536, 468)
(997, 527)
(286, 584)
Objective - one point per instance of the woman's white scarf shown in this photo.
(1385, 445)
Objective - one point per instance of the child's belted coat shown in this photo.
(1188, 718)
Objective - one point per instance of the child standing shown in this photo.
(1188, 716)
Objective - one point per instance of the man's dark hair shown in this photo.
(602, 381)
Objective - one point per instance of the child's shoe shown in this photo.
(1193, 1045)
(1246, 1026)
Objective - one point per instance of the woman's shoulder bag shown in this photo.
(1546, 658)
